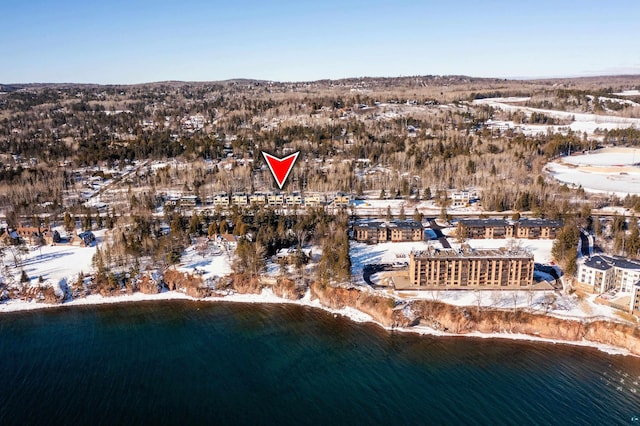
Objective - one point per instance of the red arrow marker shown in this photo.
(280, 167)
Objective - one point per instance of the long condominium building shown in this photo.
(500, 228)
(448, 269)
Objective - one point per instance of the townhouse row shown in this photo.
(242, 199)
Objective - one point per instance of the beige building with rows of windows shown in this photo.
(376, 231)
(635, 299)
(449, 269)
(500, 228)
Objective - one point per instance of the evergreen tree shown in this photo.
(109, 222)
(417, 216)
(213, 229)
(461, 233)
(565, 247)
(176, 224)
(69, 222)
(194, 224)
(597, 226)
(632, 244)
(427, 193)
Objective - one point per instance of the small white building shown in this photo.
(229, 241)
(460, 199)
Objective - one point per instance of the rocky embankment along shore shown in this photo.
(467, 320)
(437, 316)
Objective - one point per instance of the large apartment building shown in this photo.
(635, 299)
(450, 269)
(601, 273)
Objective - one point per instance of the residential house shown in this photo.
(83, 239)
(229, 241)
(35, 235)
(460, 199)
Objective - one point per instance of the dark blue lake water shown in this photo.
(198, 363)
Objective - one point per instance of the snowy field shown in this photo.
(55, 264)
(213, 263)
(600, 171)
(384, 253)
(606, 157)
(371, 206)
(581, 122)
(628, 93)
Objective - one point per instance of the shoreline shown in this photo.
(267, 297)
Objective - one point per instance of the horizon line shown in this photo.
(512, 78)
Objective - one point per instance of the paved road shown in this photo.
(369, 270)
(585, 244)
(437, 230)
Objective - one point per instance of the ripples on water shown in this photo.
(186, 363)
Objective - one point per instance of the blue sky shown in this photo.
(143, 41)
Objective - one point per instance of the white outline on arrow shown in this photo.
(266, 158)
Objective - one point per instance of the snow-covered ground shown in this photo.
(384, 253)
(593, 174)
(55, 264)
(209, 264)
(628, 93)
(553, 303)
(609, 183)
(606, 157)
(373, 206)
(581, 122)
